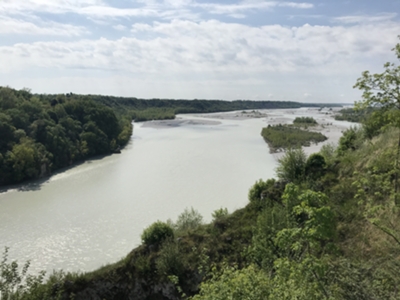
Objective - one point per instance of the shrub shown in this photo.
(169, 261)
(156, 233)
(305, 121)
(265, 193)
(292, 166)
(188, 220)
(315, 166)
(219, 213)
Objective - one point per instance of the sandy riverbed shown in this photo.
(327, 124)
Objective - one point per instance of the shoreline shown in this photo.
(327, 125)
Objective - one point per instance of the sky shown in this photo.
(307, 51)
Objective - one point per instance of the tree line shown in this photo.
(42, 133)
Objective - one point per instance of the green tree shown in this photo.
(188, 220)
(315, 166)
(292, 166)
(382, 90)
(157, 233)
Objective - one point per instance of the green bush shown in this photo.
(188, 220)
(305, 121)
(219, 213)
(169, 261)
(292, 166)
(315, 166)
(157, 233)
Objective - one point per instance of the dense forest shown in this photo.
(39, 134)
(327, 227)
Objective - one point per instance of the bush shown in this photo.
(264, 193)
(157, 233)
(315, 166)
(255, 192)
(169, 261)
(188, 220)
(305, 121)
(350, 140)
(219, 213)
(292, 166)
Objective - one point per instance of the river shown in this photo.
(93, 213)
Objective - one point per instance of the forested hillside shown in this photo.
(40, 134)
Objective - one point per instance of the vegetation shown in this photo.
(39, 134)
(354, 115)
(157, 109)
(305, 121)
(157, 233)
(283, 137)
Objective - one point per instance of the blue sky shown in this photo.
(309, 51)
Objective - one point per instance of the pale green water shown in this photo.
(94, 213)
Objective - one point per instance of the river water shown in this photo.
(93, 214)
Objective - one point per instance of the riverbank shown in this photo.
(325, 117)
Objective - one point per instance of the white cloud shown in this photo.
(245, 6)
(212, 59)
(45, 6)
(366, 18)
(166, 9)
(212, 46)
(120, 27)
(19, 26)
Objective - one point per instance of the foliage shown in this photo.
(157, 233)
(219, 213)
(382, 91)
(310, 121)
(17, 284)
(354, 115)
(315, 166)
(236, 284)
(350, 140)
(40, 133)
(263, 193)
(188, 220)
(292, 165)
(328, 151)
(283, 137)
(170, 259)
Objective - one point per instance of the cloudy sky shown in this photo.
(310, 51)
